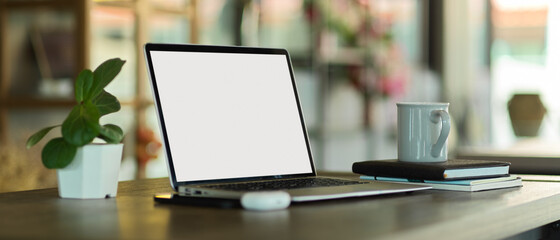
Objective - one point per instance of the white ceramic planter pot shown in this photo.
(94, 172)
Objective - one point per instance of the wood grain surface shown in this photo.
(133, 214)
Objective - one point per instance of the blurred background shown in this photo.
(496, 62)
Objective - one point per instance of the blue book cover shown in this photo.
(458, 185)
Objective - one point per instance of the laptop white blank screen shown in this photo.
(230, 115)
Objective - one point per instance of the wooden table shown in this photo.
(428, 214)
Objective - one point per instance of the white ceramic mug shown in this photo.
(423, 129)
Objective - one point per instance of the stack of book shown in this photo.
(454, 174)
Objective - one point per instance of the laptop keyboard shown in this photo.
(284, 184)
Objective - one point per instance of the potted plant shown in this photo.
(86, 169)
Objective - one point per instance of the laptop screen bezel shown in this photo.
(150, 47)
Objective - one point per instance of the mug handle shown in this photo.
(435, 117)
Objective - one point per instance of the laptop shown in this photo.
(231, 122)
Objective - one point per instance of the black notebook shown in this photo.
(452, 169)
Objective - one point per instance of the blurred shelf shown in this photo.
(36, 103)
(344, 56)
(45, 40)
(527, 156)
(56, 103)
(37, 3)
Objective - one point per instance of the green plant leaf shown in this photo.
(103, 75)
(106, 103)
(111, 133)
(58, 153)
(82, 124)
(84, 82)
(35, 138)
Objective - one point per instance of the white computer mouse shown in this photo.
(265, 201)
